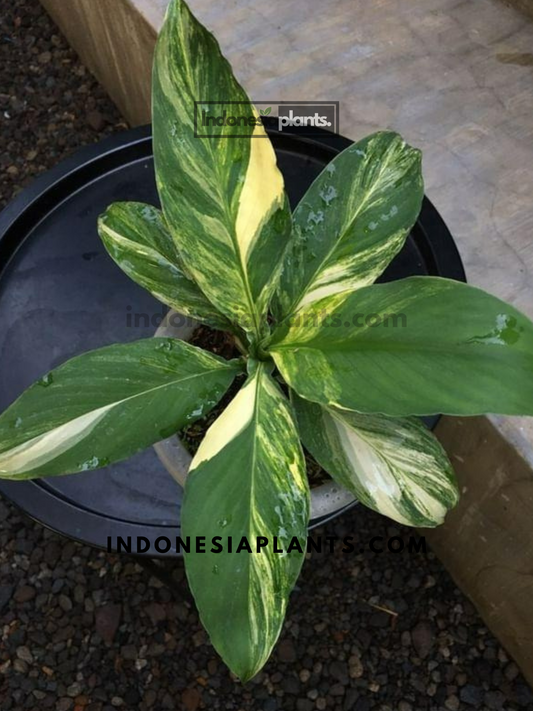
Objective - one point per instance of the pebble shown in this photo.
(25, 654)
(452, 703)
(471, 695)
(24, 593)
(107, 620)
(355, 667)
(422, 639)
(6, 591)
(191, 699)
(286, 651)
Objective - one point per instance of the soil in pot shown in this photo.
(222, 344)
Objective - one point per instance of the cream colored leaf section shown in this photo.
(235, 418)
(390, 473)
(395, 466)
(48, 446)
(262, 192)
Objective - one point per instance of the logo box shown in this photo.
(309, 116)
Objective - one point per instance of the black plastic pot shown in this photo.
(61, 295)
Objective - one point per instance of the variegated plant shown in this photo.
(225, 251)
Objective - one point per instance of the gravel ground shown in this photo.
(86, 630)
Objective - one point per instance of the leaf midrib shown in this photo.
(112, 405)
(336, 242)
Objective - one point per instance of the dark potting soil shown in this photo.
(222, 344)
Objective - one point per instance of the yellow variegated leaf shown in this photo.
(105, 405)
(221, 191)
(137, 238)
(394, 466)
(352, 221)
(417, 346)
(247, 480)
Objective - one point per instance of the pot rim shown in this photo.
(327, 499)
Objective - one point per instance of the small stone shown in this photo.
(339, 671)
(523, 696)
(350, 700)
(6, 591)
(64, 704)
(65, 603)
(96, 120)
(156, 612)
(355, 667)
(117, 701)
(511, 671)
(150, 698)
(20, 666)
(107, 620)
(25, 654)
(24, 593)
(494, 700)
(404, 706)
(305, 675)
(74, 689)
(471, 695)
(321, 703)
(287, 652)
(199, 638)
(129, 652)
(422, 638)
(452, 703)
(191, 699)
(290, 685)
(44, 57)
(338, 689)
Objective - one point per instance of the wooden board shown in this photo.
(456, 79)
(523, 5)
(487, 542)
(115, 40)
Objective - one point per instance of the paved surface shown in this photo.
(84, 630)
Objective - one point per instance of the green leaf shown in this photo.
(417, 346)
(137, 238)
(223, 197)
(394, 466)
(105, 405)
(352, 221)
(247, 479)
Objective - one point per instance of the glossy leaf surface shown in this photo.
(394, 466)
(107, 404)
(417, 346)
(352, 221)
(137, 238)
(222, 193)
(247, 480)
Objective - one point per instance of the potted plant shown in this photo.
(319, 354)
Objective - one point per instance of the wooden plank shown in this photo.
(486, 543)
(115, 40)
(525, 6)
(456, 79)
